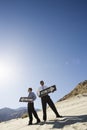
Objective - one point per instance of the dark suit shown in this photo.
(31, 109)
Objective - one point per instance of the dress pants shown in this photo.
(47, 100)
(31, 110)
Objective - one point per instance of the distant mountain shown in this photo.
(8, 114)
(81, 88)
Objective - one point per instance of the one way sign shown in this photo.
(47, 90)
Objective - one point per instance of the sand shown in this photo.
(73, 110)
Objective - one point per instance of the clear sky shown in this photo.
(41, 40)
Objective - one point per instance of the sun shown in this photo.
(5, 71)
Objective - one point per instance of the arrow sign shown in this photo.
(25, 99)
(47, 90)
(52, 89)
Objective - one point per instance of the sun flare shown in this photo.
(5, 71)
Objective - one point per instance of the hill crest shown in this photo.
(81, 88)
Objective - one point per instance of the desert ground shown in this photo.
(73, 110)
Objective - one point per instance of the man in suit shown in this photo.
(46, 100)
(31, 109)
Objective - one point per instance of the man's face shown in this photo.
(42, 83)
(29, 90)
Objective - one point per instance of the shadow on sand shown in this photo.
(67, 120)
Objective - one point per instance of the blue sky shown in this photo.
(41, 40)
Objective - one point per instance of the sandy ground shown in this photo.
(73, 110)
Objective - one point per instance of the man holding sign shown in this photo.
(45, 99)
(31, 109)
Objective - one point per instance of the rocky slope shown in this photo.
(81, 88)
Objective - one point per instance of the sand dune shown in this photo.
(74, 111)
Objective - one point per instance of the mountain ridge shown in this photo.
(8, 113)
